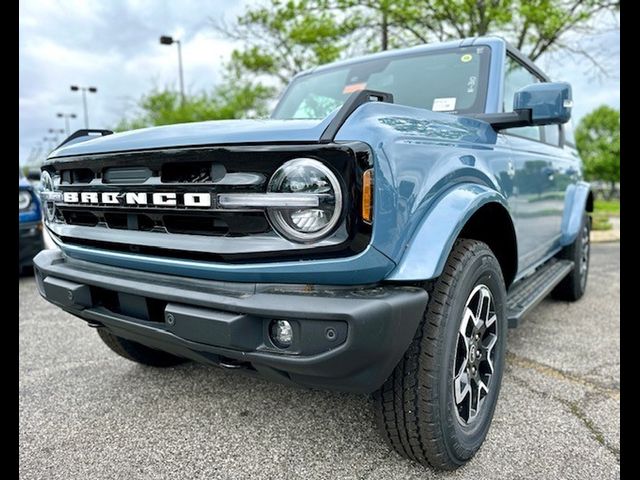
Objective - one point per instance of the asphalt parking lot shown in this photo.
(86, 413)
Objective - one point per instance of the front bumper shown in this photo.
(227, 324)
(30, 241)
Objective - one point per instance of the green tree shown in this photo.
(233, 98)
(598, 141)
(284, 37)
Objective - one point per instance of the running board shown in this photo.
(530, 291)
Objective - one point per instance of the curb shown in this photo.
(602, 236)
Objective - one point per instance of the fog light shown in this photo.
(281, 333)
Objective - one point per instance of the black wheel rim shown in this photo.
(473, 367)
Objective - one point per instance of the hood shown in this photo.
(218, 132)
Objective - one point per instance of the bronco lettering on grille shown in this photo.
(160, 199)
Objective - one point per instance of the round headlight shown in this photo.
(24, 200)
(306, 176)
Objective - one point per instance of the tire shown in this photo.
(416, 408)
(136, 352)
(572, 287)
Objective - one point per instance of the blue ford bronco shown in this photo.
(378, 234)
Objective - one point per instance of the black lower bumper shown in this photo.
(344, 338)
(30, 241)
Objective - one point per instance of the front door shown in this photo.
(538, 173)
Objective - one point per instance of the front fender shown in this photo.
(575, 204)
(427, 251)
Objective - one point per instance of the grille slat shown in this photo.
(193, 223)
(126, 175)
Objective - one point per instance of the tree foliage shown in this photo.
(283, 37)
(598, 141)
(232, 98)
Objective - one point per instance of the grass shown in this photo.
(600, 221)
(611, 207)
(603, 209)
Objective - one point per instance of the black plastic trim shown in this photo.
(348, 107)
(500, 121)
(85, 132)
(381, 320)
(526, 62)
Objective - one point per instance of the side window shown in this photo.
(516, 77)
(552, 135)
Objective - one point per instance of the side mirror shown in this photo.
(550, 103)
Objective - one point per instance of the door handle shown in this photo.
(549, 172)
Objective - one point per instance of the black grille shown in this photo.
(79, 217)
(129, 221)
(213, 223)
(196, 225)
(196, 172)
(76, 175)
(213, 170)
(230, 224)
(126, 175)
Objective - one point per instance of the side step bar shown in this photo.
(530, 291)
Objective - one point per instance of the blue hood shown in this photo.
(219, 132)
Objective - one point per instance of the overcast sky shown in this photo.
(113, 45)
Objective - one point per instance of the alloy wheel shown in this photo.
(584, 255)
(473, 367)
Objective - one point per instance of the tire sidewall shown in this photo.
(463, 441)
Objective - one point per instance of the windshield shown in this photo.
(452, 80)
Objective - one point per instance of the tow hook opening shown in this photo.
(233, 364)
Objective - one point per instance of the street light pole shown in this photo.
(75, 88)
(180, 68)
(84, 104)
(66, 117)
(167, 40)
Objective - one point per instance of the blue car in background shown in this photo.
(30, 219)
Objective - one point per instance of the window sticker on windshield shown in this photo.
(354, 87)
(467, 57)
(446, 104)
(471, 84)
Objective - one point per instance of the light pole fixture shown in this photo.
(75, 88)
(167, 40)
(66, 117)
(56, 130)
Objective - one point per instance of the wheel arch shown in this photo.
(463, 211)
(492, 225)
(590, 199)
(578, 199)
